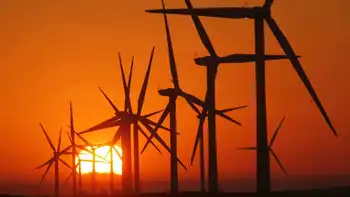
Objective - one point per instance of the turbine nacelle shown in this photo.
(171, 92)
(56, 155)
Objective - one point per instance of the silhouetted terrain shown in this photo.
(339, 191)
(309, 184)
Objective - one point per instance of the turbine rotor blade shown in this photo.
(173, 70)
(217, 12)
(276, 132)
(247, 148)
(228, 118)
(109, 101)
(199, 134)
(44, 164)
(142, 95)
(82, 139)
(200, 29)
(118, 153)
(124, 82)
(150, 122)
(83, 147)
(47, 138)
(59, 141)
(129, 86)
(160, 121)
(204, 105)
(232, 109)
(161, 141)
(145, 135)
(236, 58)
(68, 178)
(46, 171)
(151, 114)
(130, 74)
(193, 107)
(71, 116)
(281, 38)
(65, 163)
(117, 136)
(65, 150)
(108, 152)
(278, 161)
(112, 122)
(70, 139)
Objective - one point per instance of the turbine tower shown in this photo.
(259, 15)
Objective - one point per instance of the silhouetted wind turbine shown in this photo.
(82, 147)
(124, 119)
(212, 63)
(270, 147)
(79, 169)
(74, 146)
(173, 93)
(54, 159)
(94, 155)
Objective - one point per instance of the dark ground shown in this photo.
(339, 191)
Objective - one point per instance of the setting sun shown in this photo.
(101, 165)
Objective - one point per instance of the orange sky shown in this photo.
(52, 52)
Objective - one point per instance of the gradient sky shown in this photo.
(52, 52)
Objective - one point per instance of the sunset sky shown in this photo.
(53, 52)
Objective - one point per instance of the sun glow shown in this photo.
(101, 166)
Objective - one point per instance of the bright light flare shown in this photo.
(86, 166)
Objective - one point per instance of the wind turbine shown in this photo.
(74, 147)
(94, 155)
(125, 119)
(259, 15)
(80, 171)
(55, 159)
(173, 93)
(270, 147)
(212, 62)
(81, 147)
